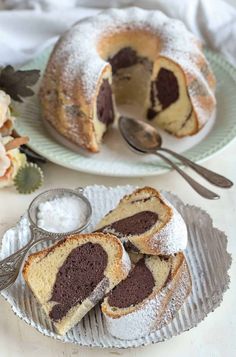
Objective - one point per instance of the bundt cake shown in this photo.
(149, 297)
(146, 222)
(130, 56)
(69, 278)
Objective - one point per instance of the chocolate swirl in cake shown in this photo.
(77, 278)
(134, 289)
(136, 224)
(105, 111)
(165, 88)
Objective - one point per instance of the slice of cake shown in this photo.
(70, 277)
(146, 222)
(149, 297)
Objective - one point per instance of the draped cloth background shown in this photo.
(31, 25)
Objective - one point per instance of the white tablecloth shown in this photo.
(24, 33)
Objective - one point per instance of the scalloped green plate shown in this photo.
(115, 158)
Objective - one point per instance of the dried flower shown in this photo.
(28, 178)
(10, 161)
(16, 83)
(6, 119)
(5, 162)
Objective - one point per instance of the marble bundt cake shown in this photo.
(130, 56)
(69, 278)
(149, 297)
(146, 222)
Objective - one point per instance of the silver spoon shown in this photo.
(10, 266)
(143, 138)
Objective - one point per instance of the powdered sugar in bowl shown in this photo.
(60, 211)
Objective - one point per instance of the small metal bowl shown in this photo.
(56, 193)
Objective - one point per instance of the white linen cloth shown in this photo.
(24, 33)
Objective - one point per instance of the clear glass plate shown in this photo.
(206, 254)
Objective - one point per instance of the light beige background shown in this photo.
(214, 337)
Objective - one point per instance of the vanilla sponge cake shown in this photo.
(70, 277)
(126, 56)
(149, 297)
(146, 222)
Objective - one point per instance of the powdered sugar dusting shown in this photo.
(126, 263)
(173, 236)
(62, 214)
(100, 290)
(77, 49)
(179, 295)
(152, 314)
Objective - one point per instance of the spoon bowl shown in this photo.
(140, 135)
(143, 138)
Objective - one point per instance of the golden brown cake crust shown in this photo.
(156, 310)
(37, 256)
(168, 238)
(175, 272)
(78, 64)
(41, 269)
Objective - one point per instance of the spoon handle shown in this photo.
(10, 266)
(209, 175)
(203, 191)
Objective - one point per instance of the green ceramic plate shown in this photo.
(115, 158)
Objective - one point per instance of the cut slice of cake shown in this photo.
(171, 107)
(149, 297)
(70, 277)
(146, 222)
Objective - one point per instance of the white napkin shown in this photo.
(24, 33)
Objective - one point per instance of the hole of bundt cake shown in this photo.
(135, 288)
(138, 223)
(105, 111)
(131, 78)
(76, 279)
(126, 57)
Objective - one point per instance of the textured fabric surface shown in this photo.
(33, 24)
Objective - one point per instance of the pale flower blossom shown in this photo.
(10, 162)
(4, 160)
(6, 119)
